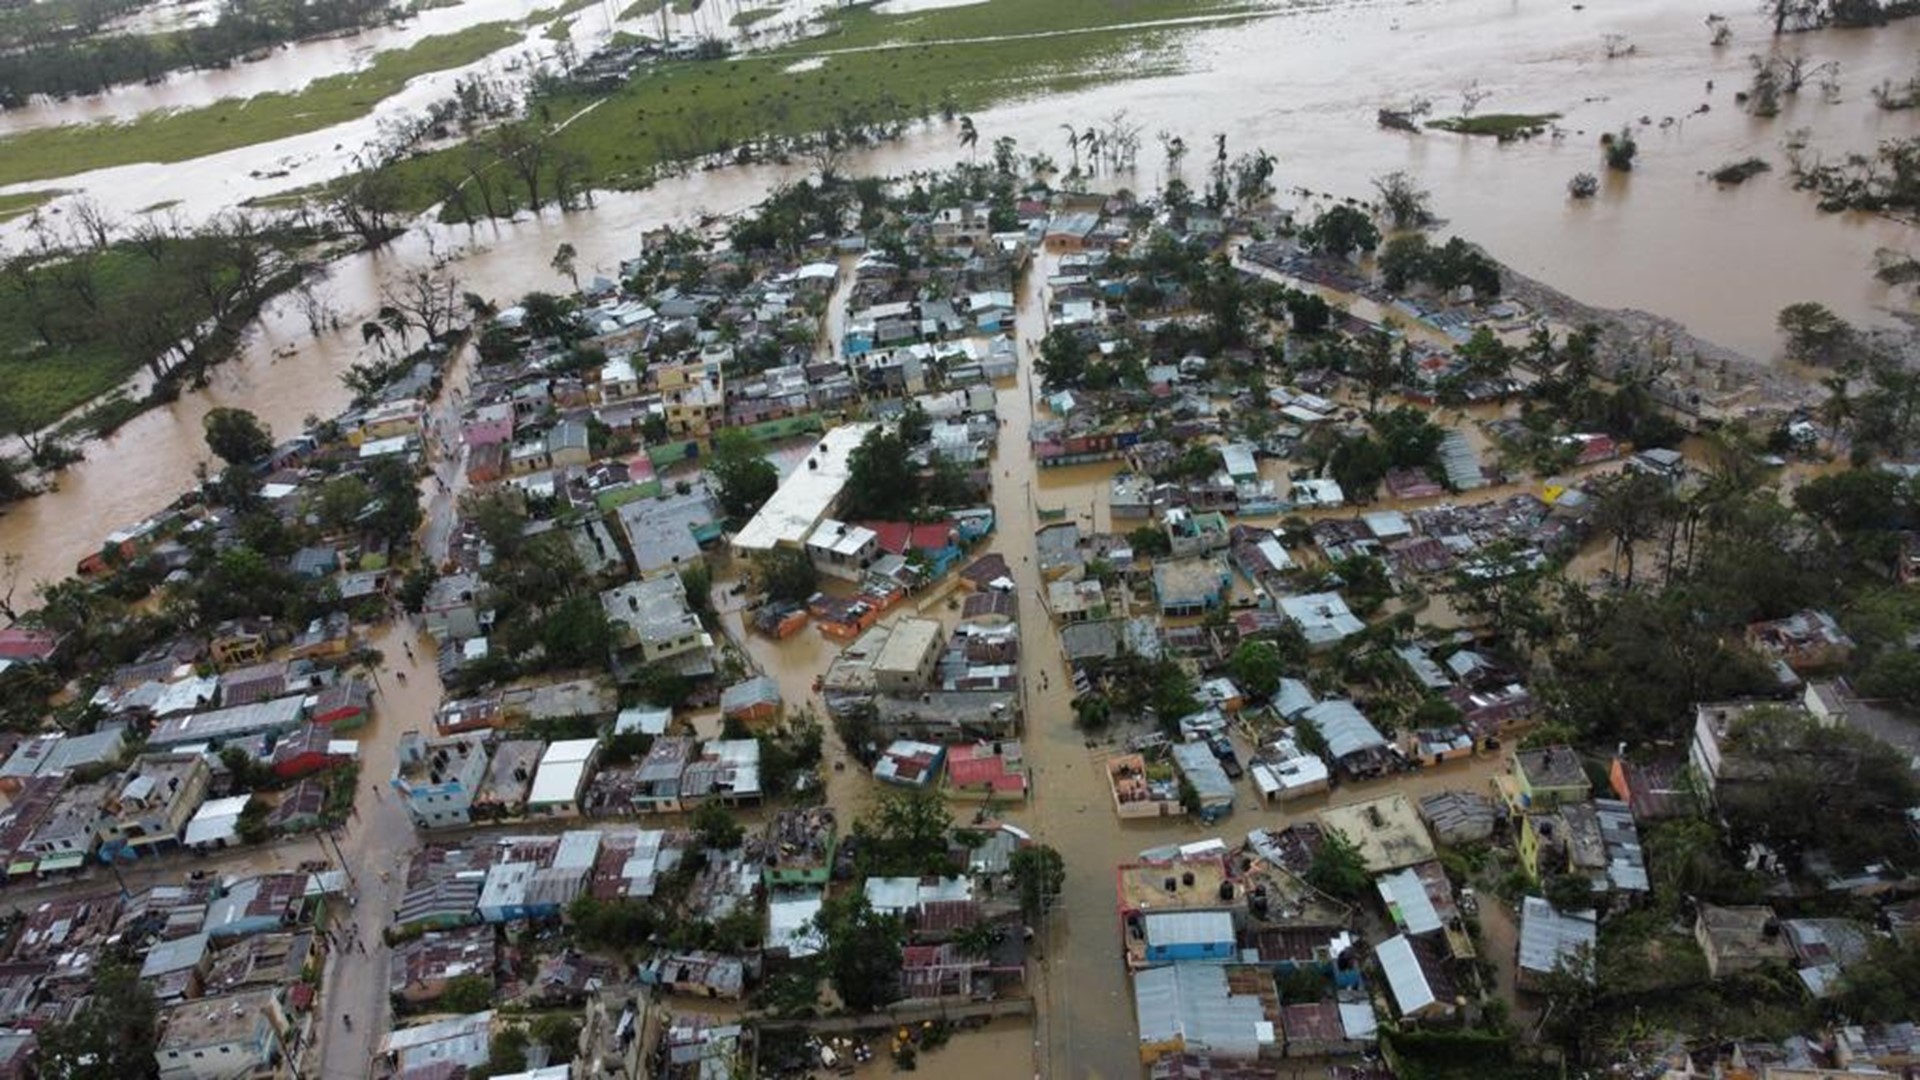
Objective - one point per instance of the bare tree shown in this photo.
(92, 225)
(1719, 30)
(1471, 95)
(524, 150)
(423, 298)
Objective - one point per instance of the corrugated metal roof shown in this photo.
(1344, 728)
(1192, 1002)
(1547, 936)
(1165, 929)
(1407, 901)
(1411, 991)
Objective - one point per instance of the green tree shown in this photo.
(1040, 873)
(563, 264)
(1062, 363)
(113, 1035)
(717, 827)
(861, 951)
(881, 481)
(467, 994)
(559, 1033)
(905, 833)
(1402, 200)
(1338, 869)
(1814, 334)
(743, 478)
(1149, 541)
(576, 632)
(787, 575)
(1885, 986)
(1358, 464)
(1410, 440)
(1341, 231)
(610, 925)
(1258, 667)
(236, 436)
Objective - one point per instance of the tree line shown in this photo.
(83, 309)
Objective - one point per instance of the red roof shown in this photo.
(972, 766)
(22, 643)
(898, 537)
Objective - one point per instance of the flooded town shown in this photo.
(1085, 538)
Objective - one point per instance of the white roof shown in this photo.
(216, 820)
(1411, 991)
(1167, 928)
(462, 1040)
(563, 768)
(1322, 617)
(806, 495)
(645, 721)
(841, 538)
(1403, 892)
(790, 923)
(894, 895)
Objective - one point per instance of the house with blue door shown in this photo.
(1174, 936)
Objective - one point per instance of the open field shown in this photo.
(870, 70)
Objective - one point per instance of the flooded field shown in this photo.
(1305, 85)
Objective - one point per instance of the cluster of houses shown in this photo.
(232, 964)
(72, 800)
(454, 897)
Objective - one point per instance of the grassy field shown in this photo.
(1502, 126)
(91, 355)
(13, 206)
(753, 15)
(679, 111)
(226, 125)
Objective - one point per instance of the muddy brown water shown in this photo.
(1305, 85)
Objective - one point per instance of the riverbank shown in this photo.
(181, 136)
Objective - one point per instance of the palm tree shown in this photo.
(1837, 409)
(1073, 144)
(969, 136)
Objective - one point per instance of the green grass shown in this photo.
(640, 9)
(864, 27)
(676, 111)
(25, 202)
(39, 384)
(753, 15)
(227, 125)
(557, 30)
(1502, 126)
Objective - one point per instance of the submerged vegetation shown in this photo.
(1503, 126)
(864, 81)
(227, 125)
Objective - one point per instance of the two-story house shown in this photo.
(438, 778)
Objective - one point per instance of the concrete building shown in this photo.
(562, 776)
(220, 1038)
(156, 799)
(1739, 938)
(653, 619)
(439, 778)
(841, 550)
(906, 663)
(805, 497)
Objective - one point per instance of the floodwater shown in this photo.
(1304, 85)
(286, 70)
